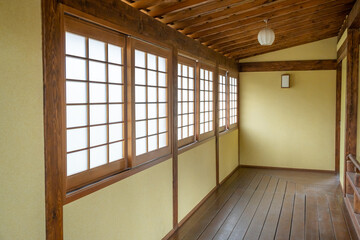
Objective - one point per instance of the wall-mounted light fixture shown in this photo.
(285, 81)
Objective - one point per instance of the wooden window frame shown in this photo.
(233, 75)
(225, 74)
(90, 30)
(161, 52)
(191, 63)
(202, 136)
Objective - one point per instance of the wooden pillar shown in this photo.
(338, 117)
(53, 115)
(174, 64)
(216, 118)
(351, 92)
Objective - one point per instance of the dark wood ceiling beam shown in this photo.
(160, 10)
(256, 15)
(256, 50)
(221, 34)
(143, 4)
(199, 10)
(353, 21)
(295, 26)
(245, 10)
(284, 36)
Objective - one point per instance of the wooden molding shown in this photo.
(287, 169)
(338, 117)
(305, 65)
(342, 52)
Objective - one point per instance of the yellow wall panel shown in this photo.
(22, 184)
(197, 176)
(291, 128)
(136, 208)
(228, 153)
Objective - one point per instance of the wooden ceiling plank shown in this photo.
(143, 4)
(284, 35)
(278, 29)
(160, 10)
(257, 15)
(222, 33)
(244, 9)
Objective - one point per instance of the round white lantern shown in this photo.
(266, 36)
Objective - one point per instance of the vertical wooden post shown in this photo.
(356, 204)
(174, 99)
(52, 38)
(351, 92)
(350, 166)
(238, 114)
(216, 120)
(338, 117)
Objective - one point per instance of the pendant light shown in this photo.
(266, 35)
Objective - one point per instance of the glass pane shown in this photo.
(116, 132)
(140, 129)
(76, 139)
(140, 146)
(151, 78)
(191, 130)
(206, 127)
(96, 50)
(76, 162)
(116, 151)
(152, 96)
(185, 71)
(185, 132)
(115, 112)
(151, 61)
(163, 125)
(75, 68)
(162, 79)
(191, 83)
(115, 74)
(140, 76)
(185, 108)
(191, 118)
(162, 64)
(206, 75)
(184, 83)
(140, 94)
(184, 95)
(76, 92)
(97, 114)
(152, 110)
(97, 93)
(201, 128)
(114, 54)
(162, 95)
(140, 111)
(163, 110)
(202, 73)
(163, 140)
(139, 59)
(75, 45)
(152, 143)
(202, 117)
(98, 156)
(76, 116)
(191, 72)
(191, 107)
(185, 120)
(115, 93)
(97, 71)
(98, 135)
(152, 127)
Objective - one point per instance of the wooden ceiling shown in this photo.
(231, 26)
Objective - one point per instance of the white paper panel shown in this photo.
(75, 68)
(152, 127)
(97, 71)
(115, 74)
(116, 132)
(139, 59)
(115, 93)
(75, 45)
(140, 129)
(98, 114)
(114, 54)
(76, 139)
(140, 146)
(163, 140)
(98, 135)
(76, 162)
(96, 50)
(152, 143)
(98, 156)
(115, 112)
(97, 92)
(76, 116)
(140, 111)
(116, 151)
(76, 92)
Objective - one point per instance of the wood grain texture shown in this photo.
(338, 117)
(305, 65)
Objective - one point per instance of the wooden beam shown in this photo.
(160, 10)
(338, 117)
(341, 53)
(216, 120)
(306, 65)
(53, 115)
(130, 21)
(353, 21)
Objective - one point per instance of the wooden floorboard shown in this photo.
(270, 204)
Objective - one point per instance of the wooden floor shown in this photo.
(270, 204)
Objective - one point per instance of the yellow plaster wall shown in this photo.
(323, 49)
(228, 153)
(291, 128)
(22, 192)
(197, 176)
(342, 119)
(136, 208)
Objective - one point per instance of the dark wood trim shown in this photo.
(216, 119)
(72, 196)
(341, 53)
(287, 169)
(133, 22)
(238, 116)
(53, 124)
(338, 117)
(174, 101)
(305, 65)
(351, 93)
(350, 218)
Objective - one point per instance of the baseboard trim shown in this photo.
(230, 174)
(289, 169)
